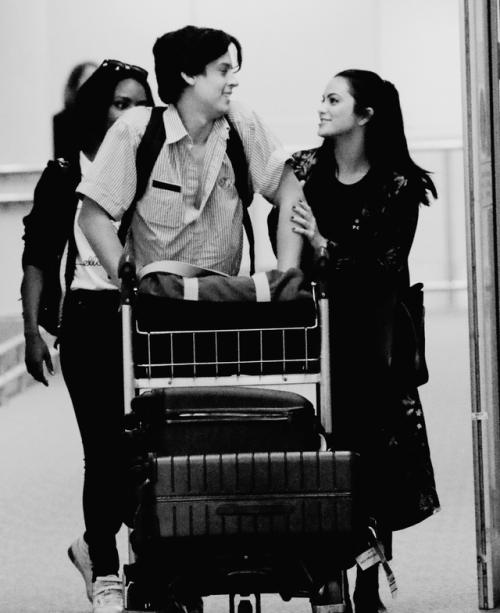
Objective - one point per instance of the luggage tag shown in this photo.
(368, 558)
(372, 556)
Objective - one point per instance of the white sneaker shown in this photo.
(78, 553)
(107, 595)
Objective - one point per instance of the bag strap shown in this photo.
(237, 157)
(181, 269)
(147, 154)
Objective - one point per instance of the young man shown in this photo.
(191, 211)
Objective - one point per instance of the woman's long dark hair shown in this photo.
(95, 97)
(73, 83)
(386, 145)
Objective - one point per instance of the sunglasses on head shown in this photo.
(116, 65)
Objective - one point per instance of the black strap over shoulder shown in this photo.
(236, 154)
(147, 154)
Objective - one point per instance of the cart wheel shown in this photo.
(245, 606)
(335, 594)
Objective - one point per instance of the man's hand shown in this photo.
(36, 354)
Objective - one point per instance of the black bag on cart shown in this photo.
(227, 330)
(207, 420)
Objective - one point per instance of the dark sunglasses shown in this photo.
(116, 65)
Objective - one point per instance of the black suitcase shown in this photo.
(251, 495)
(209, 420)
(246, 523)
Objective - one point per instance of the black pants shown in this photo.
(91, 361)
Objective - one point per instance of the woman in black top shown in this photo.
(363, 195)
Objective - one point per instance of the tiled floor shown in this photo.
(40, 492)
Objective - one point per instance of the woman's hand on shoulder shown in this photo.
(305, 224)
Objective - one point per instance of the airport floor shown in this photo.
(41, 473)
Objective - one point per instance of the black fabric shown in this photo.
(47, 229)
(64, 135)
(208, 420)
(371, 226)
(91, 361)
(236, 154)
(235, 334)
(408, 356)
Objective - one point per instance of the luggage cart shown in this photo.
(255, 502)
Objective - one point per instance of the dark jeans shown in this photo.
(91, 361)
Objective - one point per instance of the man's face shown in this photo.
(213, 89)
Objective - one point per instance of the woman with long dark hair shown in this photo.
(363, 195)
(62, 122)
(90, 328)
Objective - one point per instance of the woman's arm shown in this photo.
(46, 230)
(385, 237)
(36, 351)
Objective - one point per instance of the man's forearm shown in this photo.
(289, 244)
(99, 231)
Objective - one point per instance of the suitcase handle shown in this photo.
(255, 509)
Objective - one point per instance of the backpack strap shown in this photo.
(237, 157)
(147, 154)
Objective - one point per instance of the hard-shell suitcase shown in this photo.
(208, 420)
(249, 494)
(246, 523)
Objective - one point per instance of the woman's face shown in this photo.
(336, 112)
(128, 94)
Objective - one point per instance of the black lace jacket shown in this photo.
(387, 222)
(371, 342)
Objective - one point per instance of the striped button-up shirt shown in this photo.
(169, 224)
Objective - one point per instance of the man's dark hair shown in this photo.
(188, 50)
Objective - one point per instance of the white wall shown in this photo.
(291, 48)
(24, 126)
(419, 50)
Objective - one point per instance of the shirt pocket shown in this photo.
(165, 206)
(227, 194)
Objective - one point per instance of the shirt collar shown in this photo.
(176, 130)
(173, 125)
(221, 128)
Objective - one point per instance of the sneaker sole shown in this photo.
(73, 559)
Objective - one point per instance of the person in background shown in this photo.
(62, 124)
(90, 329)
(362, 198)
